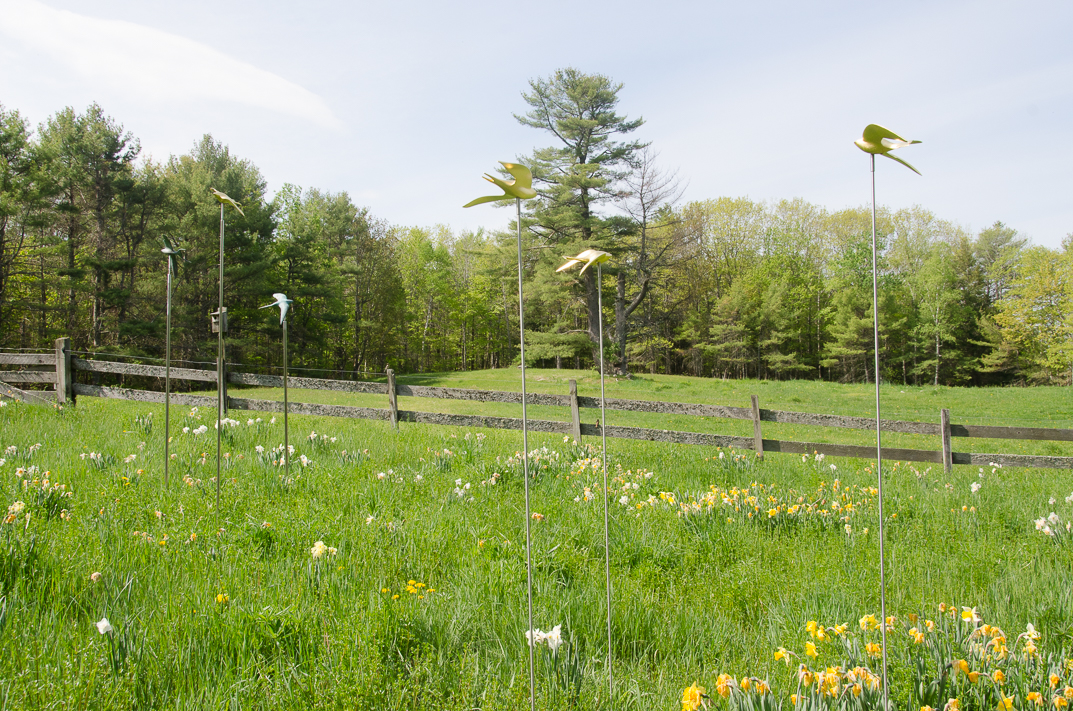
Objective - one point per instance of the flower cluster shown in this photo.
(14, 512)
(413, 589)
(552, 638)
(1053, 526)
(320, 550)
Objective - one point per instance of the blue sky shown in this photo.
(405, 105)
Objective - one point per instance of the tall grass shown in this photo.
(230, 608)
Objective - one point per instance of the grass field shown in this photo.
(231, 608)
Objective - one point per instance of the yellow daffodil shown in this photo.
(917, 635)
(999, 677)
(869, 622)
(856, 689)
(927, 708)
(1060, 702)
(222, 599)
(804, 675)
(974, 676)
(762, 687)
(952, 705)
(1035, 697)
(746, 683)
(692, 697)
(1006, 704)
(1054, 681)
(723, 685)
(930, 625)
(810, 650)
(780, 653)
(840, 630)
(963, 666)
(874, 650)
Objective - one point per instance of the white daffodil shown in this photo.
(554, 638)
(104, 626)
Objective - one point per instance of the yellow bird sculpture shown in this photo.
(588, 258)
(881, 141)
(521, 187)
(225, 200)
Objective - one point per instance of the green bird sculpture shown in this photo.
(225, 200)
(172, 254)
(521, 187)
(588, 258)
(881, 141)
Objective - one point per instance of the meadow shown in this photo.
(387, 570)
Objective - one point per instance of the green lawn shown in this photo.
(229, 608)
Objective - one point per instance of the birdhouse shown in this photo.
(219, 317)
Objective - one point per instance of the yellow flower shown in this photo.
(869, 622)
(1035, 697)
(963, 666)
(793, 699)
(1060, 702)
(780, 653)
(1068, 692)
(395, 596)
(841, 629)
(222, 599)
(917, 635)
(385, 590)
(811, 627)
(1006, 704)
(952, 705)
(1054, 680)
(999, 677)
(974, 676)
(927, 708)
(762, 687)
(746, 683)
(804, 675)
(857, 689)
(723, 684)
(873, 649)
(930, 625)
(692, 697)
(810, 650)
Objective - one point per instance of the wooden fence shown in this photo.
(59, 366)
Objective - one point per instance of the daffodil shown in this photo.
(810, 650)
(869, 622)
(692, 697)
(952, 705)
(1035, 697)
(999, 677)
(104, 626)
(874, 650)
(724, 684)
(1006, 703)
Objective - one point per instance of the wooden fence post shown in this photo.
(575, 416)
(64, 382)
(392, 398)
(944, 425)
(758, 438)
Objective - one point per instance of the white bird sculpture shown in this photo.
(588, 258)
(284, 305)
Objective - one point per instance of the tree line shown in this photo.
(727, 287)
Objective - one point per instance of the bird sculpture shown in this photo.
(284, 305)
(588, 258)
(172, 254)
(223, 199)
(881, 141)
(521, 187)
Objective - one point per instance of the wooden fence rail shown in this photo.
(61, 366)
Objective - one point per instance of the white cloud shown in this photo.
(154, 65)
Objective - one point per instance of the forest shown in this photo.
(725, 287)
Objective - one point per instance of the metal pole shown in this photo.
(220, 370)
(286, 407)
(525, 472)
(167, 378)
(603, 462)
(879, 442)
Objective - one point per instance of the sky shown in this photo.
(404, 105)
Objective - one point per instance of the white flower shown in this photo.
(975, 486)
(554, 638)
(834, 468)
(1053, 518)
(849, 529)
(306, 461)
(1051, 501)
(272, 421)
(249, 422)
(369, 520)
(1069, 499)
(95, 577)
(259, 449)
(186, 430)
(312, 435)
(624, 500)
(419, 478)
(130, 458)
(1041, 523)
(380, 475)
(318, 550)
(534, 637)
(104, 626)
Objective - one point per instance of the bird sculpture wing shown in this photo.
(223, 199)
(171, 252)
(588, 258)
(521, 187)
(879, 140)
(283, 303)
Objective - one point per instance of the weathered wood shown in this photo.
(1014, 460)
(482, 395)
(1033, 433)
(64, 372)
(758, 437)
(671, 436)
(669, 408)
(393, 398)
(27, 358)
(143, 395)
(28, 376)
(309, 408)
(33, 397)
(852, 450)
(501, 423)
(276, 381)
(150, 371)
(575, 416)
(854, 423)
(944, 429)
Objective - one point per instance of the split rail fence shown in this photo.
(58, 367)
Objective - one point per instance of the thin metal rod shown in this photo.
(525, 472)
(603, 463)
(879, 440)
(286, 406)
(167, 377)
(220, 372)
